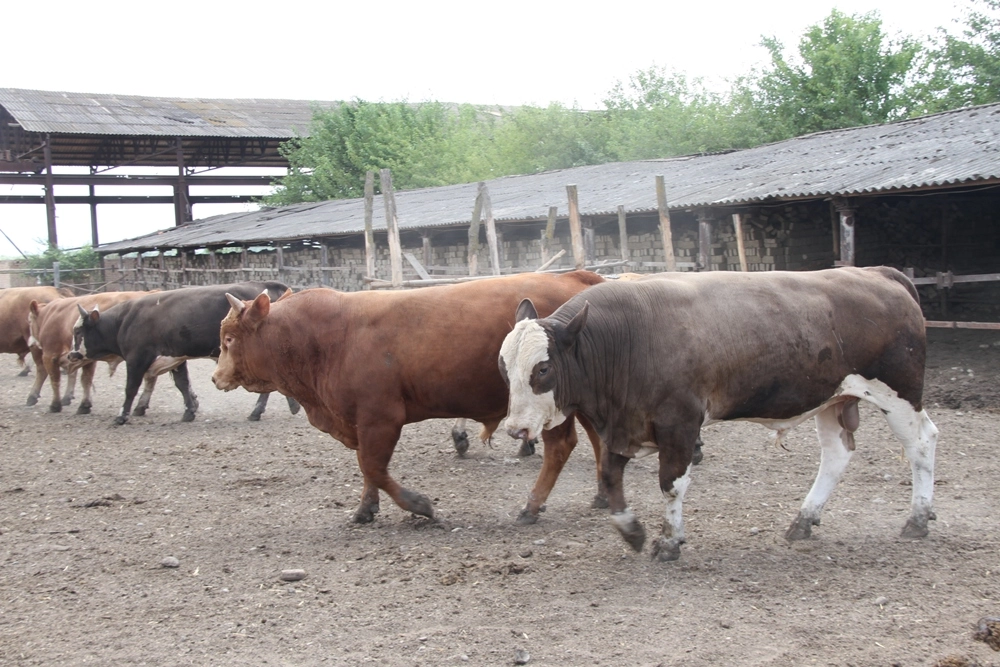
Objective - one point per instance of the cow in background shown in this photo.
(14, 332)
(650, 362)
(363, 364)
(51, 327)
(159, 332)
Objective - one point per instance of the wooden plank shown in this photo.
(995, 326)
(704, 240)
(846, 213)
(369, 233)
(324, 261)
(549, 262)
(549, 233)
(395, 250)
(491, 228)
(417, 266)
(477, 210)
(665, 229)
(589, 245)
(740, 249)
(425, 240)
(622, 233)
(575, 232)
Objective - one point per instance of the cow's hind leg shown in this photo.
(70, 387)
(183, 384)
(41, 373)
(676, 443)
(259, 407)
(836, 445)
(375, 447)
(148, 383)
(25, 369)
(460, 436)
(87, 380)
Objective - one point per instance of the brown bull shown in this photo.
(14, 331)
(51, 328)
(363, 364)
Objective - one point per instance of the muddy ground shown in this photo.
(89, 511)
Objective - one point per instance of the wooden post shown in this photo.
(943, 293)
(428, 250)
(846, 212)
(704, 240)
(548, 234)
(491, 228)
(477, 210)
(93, 220)
(392, 226)
(835, 229)
(740, 249)
(279, 254)
(575, 233)
(50, 195)
(668, 239)
(243, 263)
(589, 245)
(182, 202)
(163, 270)
(140, 276)
(324, 261)
(622, 233)
(369, 234)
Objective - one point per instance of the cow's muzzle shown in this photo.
(74, 356)
(519, 434)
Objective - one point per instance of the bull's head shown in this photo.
(242, 322)
(87, 343)
(532, 361)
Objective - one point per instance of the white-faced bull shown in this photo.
(650, 362)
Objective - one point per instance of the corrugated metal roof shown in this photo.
(83, 113)
(955, 147)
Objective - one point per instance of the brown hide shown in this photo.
(363, 364)
(14, 303)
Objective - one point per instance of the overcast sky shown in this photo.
(514, 52)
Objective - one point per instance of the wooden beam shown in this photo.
(50, 195)
(622, 233)
(324, 262)
(589, 245)
(425, 239)
(548, 234)
(491, 228)
(94, 241)
(395, 251)
(740, 249)
(546, 264)
(705, 240)
(665, 230)
(477, 210)
(417, 266)
(369, 234)
(182, 205)
(575, 232)
(846, 212)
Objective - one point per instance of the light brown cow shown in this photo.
(51, 327)
(363, 364)
(14, 302)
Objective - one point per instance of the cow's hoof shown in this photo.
(526, 517)
(461, 440)
(32, 399)
(24, 372)
(697, 456)
(188, 416)
(364, 515)
(84, 409)
(55, 407)
(120, 420)
(254, 417)
(666, 549)
(914, 529)
(527, 448)
(417, 503)
(140, 411)
(801, 528)
(293, 405)
(630, 529)
(67, 400)
(599, 502)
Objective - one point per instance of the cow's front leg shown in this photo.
(375, 447)
(183, 384)
(600, 500)
(836, 446)
(135, 370)
(87, 380)
(460, 437)
(40, 374)
(369, 499)
(293, 405)
(259, 407)
(559, 444)
(54, 371)
(624, 521)
(148, 384)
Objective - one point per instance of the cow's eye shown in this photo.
(228, 340)
(543, 371)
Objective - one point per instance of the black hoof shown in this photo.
(120, 420)
(188, 416)
(631, 530)
(364, 515)
(666, 549)
(84, 409)
(914, 529)
(698, 455)
(293, 406)
(801, 528)
(67, 400)
(32, 399)
(461, 440)
(24, 372)
(140, 411)
(599, 503)
(254, 417)
(417, 503)
(55, 407)
(526, 518)
(527, 448)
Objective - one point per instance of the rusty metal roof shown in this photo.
(954, 148)
(84, 113)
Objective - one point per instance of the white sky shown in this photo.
(511, 52)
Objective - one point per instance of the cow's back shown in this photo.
(53, 325)
(14, 304)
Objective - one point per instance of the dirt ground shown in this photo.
(89, 512)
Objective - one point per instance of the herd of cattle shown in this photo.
(642, 364)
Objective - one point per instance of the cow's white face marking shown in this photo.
(78, 327)
(522, 350)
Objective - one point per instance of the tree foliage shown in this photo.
(965, 70)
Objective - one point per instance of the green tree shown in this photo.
(533, 139)
(965, 70)
(851, 73)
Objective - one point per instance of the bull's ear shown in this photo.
(288, 293)
(576, 324)
(235, 303)
(257, 311)
(95, 315)
(525, 311)
(33, 307)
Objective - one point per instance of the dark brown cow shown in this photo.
(51, 328)
(14, 333)
(650, 362)
(363, 364)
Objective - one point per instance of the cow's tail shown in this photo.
(899, 277)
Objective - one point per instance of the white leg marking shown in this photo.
(675, 505)
(834, 457)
